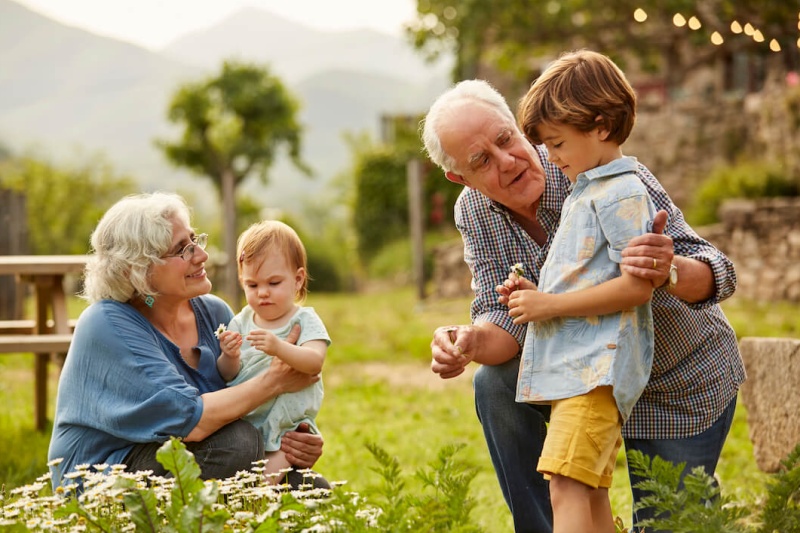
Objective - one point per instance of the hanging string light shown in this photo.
(694, 23)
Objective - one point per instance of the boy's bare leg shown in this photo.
(578, 507)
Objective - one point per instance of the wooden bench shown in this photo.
(42, 345)
(12, 327)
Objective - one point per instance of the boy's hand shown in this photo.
(528, 305)
(513, 283)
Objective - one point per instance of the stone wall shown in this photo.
(762, 238)
(772, 398)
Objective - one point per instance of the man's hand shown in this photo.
(649, 256)
(302, 448)
(450, 350)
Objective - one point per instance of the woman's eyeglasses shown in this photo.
(187, 252)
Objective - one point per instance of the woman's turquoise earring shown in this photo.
(149, 300)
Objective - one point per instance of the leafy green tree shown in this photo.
(380, 212)
(63, 203)
(508, 34)
(234, 124)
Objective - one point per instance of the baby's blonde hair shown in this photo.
(271, 237)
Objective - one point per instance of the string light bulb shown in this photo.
(639, 15)
(736, 27)
(716, 38)
(774, 45)
(694, 23)
(678, 20)
(749, 29)
(758, 36)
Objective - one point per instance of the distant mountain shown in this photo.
(62, 88)
(295, 52)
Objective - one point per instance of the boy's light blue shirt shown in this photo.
(123, 382)
(569, 356)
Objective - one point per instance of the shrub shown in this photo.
(700, 506)
(753, 179)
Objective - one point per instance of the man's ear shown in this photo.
(455, 178)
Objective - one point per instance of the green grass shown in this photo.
(379, 389)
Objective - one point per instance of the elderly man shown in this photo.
(507, 214)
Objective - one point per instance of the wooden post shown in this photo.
(231, 283)
(416, 221)
(13, 241)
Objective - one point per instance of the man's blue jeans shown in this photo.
(515, 434)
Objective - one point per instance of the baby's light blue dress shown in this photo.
(287, 411)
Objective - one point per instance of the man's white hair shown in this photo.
(470, 90)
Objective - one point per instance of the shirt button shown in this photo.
(611, 346)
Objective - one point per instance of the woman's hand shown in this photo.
(302, 448)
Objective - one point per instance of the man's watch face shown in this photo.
(673, 275)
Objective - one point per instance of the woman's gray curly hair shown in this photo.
(131, 237)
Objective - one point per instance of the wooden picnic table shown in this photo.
(50, 331)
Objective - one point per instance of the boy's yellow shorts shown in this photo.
(583, 438)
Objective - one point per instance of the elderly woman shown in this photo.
(142, 364)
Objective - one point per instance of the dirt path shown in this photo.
(398, 375)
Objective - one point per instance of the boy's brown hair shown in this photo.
(273, 237)
(580, 89)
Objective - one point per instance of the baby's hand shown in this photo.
(230, 342)
(263, 340)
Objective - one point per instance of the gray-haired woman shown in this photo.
(142, 364)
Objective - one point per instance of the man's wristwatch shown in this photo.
(672, 279)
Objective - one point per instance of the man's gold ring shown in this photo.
(655, 263)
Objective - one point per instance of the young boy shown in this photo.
(589, 345)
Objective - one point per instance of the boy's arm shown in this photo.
(612, 296)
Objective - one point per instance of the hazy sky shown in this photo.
(154, 23)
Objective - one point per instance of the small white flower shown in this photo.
(220, 330)
(518, 269)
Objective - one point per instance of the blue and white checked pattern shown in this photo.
(697, 368)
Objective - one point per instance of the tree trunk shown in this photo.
(230, 286)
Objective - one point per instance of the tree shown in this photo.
(234, 125)
(507, 34)
(63, 203)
